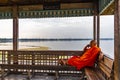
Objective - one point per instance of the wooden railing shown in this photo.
(39, 61)
(45, 62)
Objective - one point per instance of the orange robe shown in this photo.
(87, 59)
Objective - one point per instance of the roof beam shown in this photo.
(76, 5)
(35, 2)
(41, 7)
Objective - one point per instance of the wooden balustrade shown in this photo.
(39, 61)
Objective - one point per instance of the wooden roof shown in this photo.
(109, 9)
(52, 8)
(34, 2)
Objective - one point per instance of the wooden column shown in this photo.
(15, 33)
(117, 41)
(98, 29)
(94, 21)
(15, 28)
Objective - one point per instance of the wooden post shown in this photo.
(15, 28)
(15, 31)
(97, 23)
(117, 41)
(94, 21)
(98, 30)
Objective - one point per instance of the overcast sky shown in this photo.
(68, 27)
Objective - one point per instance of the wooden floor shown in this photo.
(41, 77)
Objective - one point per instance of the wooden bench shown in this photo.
(31, 62)
(103, 70)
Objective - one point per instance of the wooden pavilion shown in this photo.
(15, 9)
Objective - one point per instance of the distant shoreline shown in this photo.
(49, 39)
(36, 48)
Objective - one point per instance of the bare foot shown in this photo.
(62, 62)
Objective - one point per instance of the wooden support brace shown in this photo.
(2, 74)
(29, 75)
(56, 75)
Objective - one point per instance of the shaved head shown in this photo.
(93, 43)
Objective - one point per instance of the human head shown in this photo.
(93, 43)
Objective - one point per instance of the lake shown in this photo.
(107, 46)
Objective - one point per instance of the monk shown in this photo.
(88, 58)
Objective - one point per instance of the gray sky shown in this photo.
(68, 27)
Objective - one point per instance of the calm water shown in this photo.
(107, 46)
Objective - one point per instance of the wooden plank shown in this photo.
(108, 62)
(30, 7)
(94, 74)
(76, 5)
(38, 7)
(100, 75)
(38, 67)
(105, 69)
(91, 75)
(106, 65)
(68, 53)
(4, 1)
